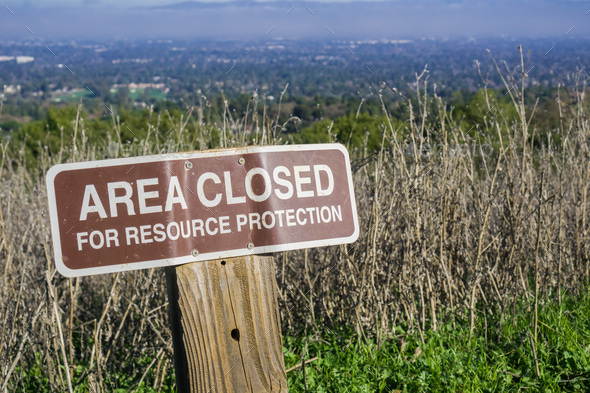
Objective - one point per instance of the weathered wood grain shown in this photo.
(225, 323)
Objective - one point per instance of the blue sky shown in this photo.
(393, 19)
(148, 3)
(140, 3)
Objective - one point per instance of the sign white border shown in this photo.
(55, 170)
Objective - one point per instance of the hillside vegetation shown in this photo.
(474, 250)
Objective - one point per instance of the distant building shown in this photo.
(11, 89)
(24, 59)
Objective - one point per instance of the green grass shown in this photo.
(153, 93)
(497, 358)
(74, 95)
(135, 93)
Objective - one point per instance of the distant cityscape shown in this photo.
(178, 69)
(36, 75)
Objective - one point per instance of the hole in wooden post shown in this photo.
(223, 263)
(235, 334)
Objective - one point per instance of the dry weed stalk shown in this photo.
(446, 235)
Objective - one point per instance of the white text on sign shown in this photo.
(301, 181)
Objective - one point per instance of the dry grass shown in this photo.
(444, 236)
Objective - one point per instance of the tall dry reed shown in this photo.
(480, 225)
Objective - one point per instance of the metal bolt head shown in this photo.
(188, 165)
(241, 160)
(195, 253)
(250, 246)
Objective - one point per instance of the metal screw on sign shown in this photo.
(195, 253)
(188, 165)
(241, 160)
(250, 246)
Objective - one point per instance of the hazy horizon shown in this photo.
(167, 3)
(99, 19)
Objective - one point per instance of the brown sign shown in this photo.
(135, 213)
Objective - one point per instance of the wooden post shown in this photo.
(225, 326)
